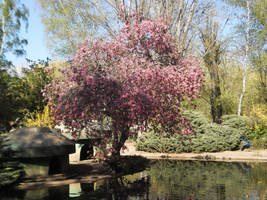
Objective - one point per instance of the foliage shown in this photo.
(260, 15)
(238, 122)
(138, 77)
(258, 114)
(259, 143)
(231, 75)
(212, 58)
(258, 128)
(88, 19)
(12, 15)
(251, 29)
(258, 21)
(40, 119)
(61, 18)
(20, 95)
(7, 104)
(197, 120)
(258, 131)
(32, 83)
(207, 137)
(260, 64)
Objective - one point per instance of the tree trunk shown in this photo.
(245, 62)
(183, 48)
(4, 32)
(243, 92)
(119, 144)
(212, 60)
(215, 103)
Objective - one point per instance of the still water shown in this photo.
(166, 180)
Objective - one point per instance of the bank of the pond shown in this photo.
(90, 171)
(247, 155)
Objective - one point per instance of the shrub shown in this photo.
(258, 114)
(238, 122)
(258, 127)
(207, 137)
(258, 131)
(259, 143)
(197, 120)
(40, 119)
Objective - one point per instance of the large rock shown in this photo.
(41, 150)
(36, 142)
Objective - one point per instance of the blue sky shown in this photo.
(36, 48)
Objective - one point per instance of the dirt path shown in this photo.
(230, 156)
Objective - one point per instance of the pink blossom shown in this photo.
(135, 79)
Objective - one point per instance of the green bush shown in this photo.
(259, 143)
(207, 137)
(258, 131)
(198, 120)
(239, 122)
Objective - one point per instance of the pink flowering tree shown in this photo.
(137, 79)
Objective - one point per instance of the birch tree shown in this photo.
(246, 65)
(253, 29)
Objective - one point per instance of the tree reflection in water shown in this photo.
(206, 180)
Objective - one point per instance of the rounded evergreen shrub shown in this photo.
(207, 137)
(239, 122)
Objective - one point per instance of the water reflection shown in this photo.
(199, 180)
(167, 180)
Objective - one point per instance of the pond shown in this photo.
(167, 180)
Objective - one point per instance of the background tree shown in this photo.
(259, 54)
(181, 16)
(21, 95)
(247, 51)
(6, 104)
(137, 77)
(85, 20)
(212, 59)
(252, 30)
(12, 15)
(34, 78)
(68, 23)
